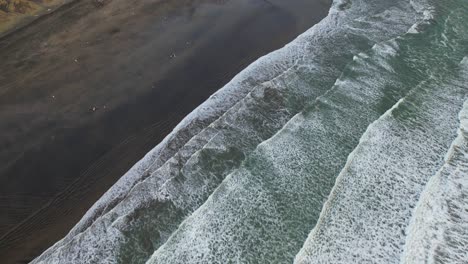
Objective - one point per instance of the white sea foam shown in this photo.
(265, 68)
(260, 212)
(438, 231)
(310, 58)
(365, 217)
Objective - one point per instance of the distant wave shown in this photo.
(438, 228)
(325, 151)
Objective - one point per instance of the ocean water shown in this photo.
(345, 146)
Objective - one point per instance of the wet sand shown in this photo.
(86, 91)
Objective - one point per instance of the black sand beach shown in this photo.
(87, 90)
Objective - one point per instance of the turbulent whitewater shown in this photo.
(348, 145)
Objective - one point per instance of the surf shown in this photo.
(284, 152)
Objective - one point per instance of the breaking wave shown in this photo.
(329, 150)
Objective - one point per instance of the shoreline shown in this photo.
(102, 95)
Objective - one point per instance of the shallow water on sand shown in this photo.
(83, 98)
(323, 151)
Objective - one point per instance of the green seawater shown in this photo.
(325, 162)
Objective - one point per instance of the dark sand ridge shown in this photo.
(15, 14)
(85, 92)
